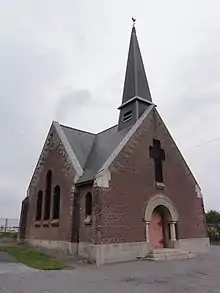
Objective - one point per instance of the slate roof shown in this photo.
(80, 141)
(92, 150)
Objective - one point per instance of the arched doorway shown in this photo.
(159, 232)
(161, 218)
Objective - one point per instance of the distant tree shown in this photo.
(212, 217)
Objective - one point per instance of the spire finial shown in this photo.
(134, 21)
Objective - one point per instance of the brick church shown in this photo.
(121, 194)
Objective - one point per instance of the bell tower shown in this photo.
(136, 93)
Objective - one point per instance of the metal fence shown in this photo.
(9, 225)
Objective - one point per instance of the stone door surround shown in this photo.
(161, 200)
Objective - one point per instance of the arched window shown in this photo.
(39, 205)
(47, 195)
(88, 210)
(56, 202)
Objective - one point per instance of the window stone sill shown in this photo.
(37, 223)
(88, 220)
(160, 185)
(46, 223)
(55, 222)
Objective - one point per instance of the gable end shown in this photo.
(55, 138)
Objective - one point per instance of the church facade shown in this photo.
(117, 195)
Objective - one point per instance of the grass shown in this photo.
(8, 235)
(32, 258)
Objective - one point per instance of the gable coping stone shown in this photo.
(69, 150)
(106, 165)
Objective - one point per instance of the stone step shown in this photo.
(168, 254)
(167, 250)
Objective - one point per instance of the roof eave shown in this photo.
(86, 182)
(137, 98)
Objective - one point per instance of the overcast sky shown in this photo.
(65, 60)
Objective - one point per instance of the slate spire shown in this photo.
(136, 93)
(136, 84)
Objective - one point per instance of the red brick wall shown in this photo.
(132, 185)
(56, 163)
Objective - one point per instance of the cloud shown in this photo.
(193, 116)
(10, 200)
(71, 68)
(72, 103)
(26, 78)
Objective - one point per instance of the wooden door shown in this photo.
(156, 231)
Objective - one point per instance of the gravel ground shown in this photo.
(198, 275)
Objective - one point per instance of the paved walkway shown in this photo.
(9, 266)
(6, 258)
(198, 275)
